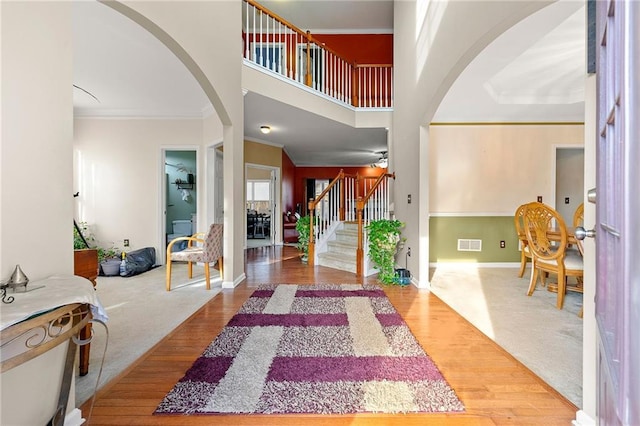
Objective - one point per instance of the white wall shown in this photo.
(208, 49)
(35, 178)
(118, 172)
(492, 169)
(35, 190)
(433, 43)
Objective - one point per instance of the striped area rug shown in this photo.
(329, 349)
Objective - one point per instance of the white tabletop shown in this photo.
(55, 291)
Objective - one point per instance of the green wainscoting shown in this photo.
(444, 233)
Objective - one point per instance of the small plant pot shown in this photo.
(403, 277)
(110, 267)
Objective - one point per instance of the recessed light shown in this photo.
(265, 129)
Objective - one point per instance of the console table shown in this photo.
(37, 321)
(85, 264)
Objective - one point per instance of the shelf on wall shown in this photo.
(183, 185)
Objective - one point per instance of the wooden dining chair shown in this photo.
(550, 256)
(209, 251)
(578, 220)
(525, 253)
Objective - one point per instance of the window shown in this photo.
(258, 190)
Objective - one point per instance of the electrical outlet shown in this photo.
(502, 244)
(126, 242)
(409, 251)
(409, 199)
(539, 198)
(566, 200)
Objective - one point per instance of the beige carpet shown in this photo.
(141, 312)
(545, 339)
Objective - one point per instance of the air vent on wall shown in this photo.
(469, 245)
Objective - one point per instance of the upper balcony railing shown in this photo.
(273, 43)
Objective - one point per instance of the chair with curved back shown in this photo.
(578, 220)
(522, 237)
(549, 256)
(209, 251)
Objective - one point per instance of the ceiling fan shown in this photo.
(383, 161)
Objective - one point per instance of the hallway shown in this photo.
(494, 387)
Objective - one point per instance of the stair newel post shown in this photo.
(312, 233)
(307, 77)
(360, 249)
(354, 85)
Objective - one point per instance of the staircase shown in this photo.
(341, 252)
(339, 216)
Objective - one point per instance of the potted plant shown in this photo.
(108, 258)
(303, 226)
(384, 236)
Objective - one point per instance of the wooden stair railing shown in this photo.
(376, 204)
(341, 201)
(276, 44)
(333, 204)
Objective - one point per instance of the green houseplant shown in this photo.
(104, 254)
(303, 226)
(384, 236)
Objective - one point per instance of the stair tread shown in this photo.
(337, 256)
(342, 243)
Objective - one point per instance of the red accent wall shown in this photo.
(304, 173)
(361, 48)
(288, 178)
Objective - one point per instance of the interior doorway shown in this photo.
(180, 197)
(569, 186)
(262, 200)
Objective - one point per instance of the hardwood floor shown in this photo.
(494, 387)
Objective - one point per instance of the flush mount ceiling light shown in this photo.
(265, 129)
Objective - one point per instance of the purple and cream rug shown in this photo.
(327, 349)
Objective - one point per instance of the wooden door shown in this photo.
(618, 212)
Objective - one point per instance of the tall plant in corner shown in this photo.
(384, 236)
(303, 226)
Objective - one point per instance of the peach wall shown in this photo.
(483, 169)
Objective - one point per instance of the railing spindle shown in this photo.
(363, 86)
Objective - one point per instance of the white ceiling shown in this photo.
(533, 73)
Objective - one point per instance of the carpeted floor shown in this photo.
(326, 348)
(545, 339)
(130, 303)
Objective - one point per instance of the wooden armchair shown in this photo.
(210, 251)
(550, 257)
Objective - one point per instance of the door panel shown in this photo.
(618, 272)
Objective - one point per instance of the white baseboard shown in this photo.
(234, 283)
(583, 419)
(73, 418)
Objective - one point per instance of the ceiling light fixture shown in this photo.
(265, 129)
(383, 162)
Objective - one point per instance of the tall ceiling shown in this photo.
(533, 73)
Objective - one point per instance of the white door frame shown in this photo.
(554, 186)
(161, 257)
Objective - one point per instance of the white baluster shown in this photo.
(246, 26)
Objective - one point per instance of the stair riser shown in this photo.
(347, 237)
(341, 248)
(341, 265)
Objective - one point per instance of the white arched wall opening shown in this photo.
(433, 43)
(165, 20)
